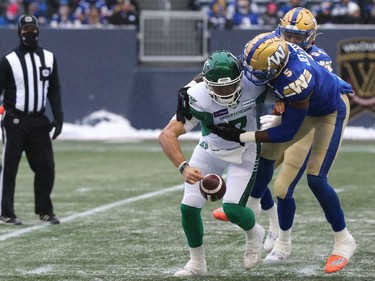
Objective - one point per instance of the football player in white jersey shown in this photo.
(223, 96)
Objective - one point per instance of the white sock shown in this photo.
(285, 235)
(254, 204)
(341, 235)
(284, 241)
(197, 254)
(253, 233)
(273, 218)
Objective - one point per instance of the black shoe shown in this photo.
(10, 221)
(52, 219)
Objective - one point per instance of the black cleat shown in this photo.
(52, 219)
(10, 221)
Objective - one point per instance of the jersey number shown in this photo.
(299, 85)
(242, 121)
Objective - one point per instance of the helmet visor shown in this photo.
(299, 37)
(225, 92)
(259, 77)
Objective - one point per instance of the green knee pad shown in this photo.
(240, 215)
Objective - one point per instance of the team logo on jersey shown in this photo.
(296, 87)
(44, 73)
(192, 100)
(356, 65)
(221, 112)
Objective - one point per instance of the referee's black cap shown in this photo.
(26, 20)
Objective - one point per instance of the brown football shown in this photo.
(212, 187)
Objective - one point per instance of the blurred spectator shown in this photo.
(94, 17)
(217, 14)
(111, 4)
(12, 12)
(63, 17)
(3, 7)
(324, 14)
(52, 8)
(369, 12)
(83, 10)
(38, 8)
(193, 5)
(125, 12)
(244, 17)
(287, 7)
(346, 12)
(270, 17)
(26, 6)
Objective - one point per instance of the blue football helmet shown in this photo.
(299, 26)
(264, 57)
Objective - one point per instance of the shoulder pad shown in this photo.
(198, 97)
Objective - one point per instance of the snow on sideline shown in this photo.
(106, 126)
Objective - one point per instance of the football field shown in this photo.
(119, 209)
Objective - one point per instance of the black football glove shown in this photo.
(227, 132)
(57, 123)
(183, 112)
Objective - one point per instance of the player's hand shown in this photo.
(57, 124)
(227, 132)
(278, 108)
(183, 112)
(266, 121)
(192, 175)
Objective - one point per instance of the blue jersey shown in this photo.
(304, 78)
(318, 54)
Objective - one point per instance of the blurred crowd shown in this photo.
(246, 13)
(71, 13)
(221, 13)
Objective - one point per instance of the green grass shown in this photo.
(115, 228)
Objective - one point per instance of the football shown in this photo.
(212, 187)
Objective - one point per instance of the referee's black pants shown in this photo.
(29, 134)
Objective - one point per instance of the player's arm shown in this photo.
(168, 140)
(291, 120)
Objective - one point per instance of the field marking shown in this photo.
(90, 212)
(40, 270)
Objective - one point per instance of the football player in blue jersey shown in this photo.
(314, 99)
(298, 26)
(223, 96)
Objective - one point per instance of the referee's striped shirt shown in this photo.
(31, 78)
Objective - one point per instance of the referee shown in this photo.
(28, 77)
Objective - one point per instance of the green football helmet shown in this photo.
(222, 74)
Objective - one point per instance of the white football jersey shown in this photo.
(207, 112)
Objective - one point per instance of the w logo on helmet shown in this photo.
(278, 57)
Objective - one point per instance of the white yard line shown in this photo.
(40, 270)
(90, 212)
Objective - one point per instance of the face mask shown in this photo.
(30, 39)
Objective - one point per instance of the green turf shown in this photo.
(115, 228)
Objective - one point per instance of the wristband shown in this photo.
(247, 136)
(182, 166)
